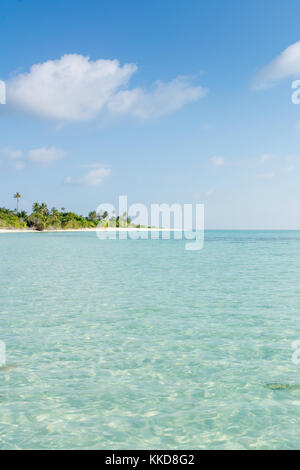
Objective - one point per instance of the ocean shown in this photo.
(140, 344)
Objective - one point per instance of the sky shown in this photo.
(163, 101)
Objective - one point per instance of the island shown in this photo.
(42, 219)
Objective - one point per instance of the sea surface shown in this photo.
(140, 344)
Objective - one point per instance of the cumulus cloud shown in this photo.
(15, 156)
(11, 153)
(75, 88)
(165, 98)
(41, 156)
(217, 161)
(45, 156)
(286, 65)
(92, 178)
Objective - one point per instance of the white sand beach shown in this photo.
(109, 229)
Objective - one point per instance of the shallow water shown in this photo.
(141, 344)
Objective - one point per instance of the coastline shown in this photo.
(108, 229)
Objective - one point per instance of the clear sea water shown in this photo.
(141, 344)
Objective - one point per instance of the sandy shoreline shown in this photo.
(109, 229)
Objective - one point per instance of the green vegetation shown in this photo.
(10, 219)
(42, 218)
(17, 196)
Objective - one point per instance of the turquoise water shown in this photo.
(141, 344)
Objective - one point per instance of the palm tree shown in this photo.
(23, 214)
(93, 215)
(17, 196)
(44, 209)
(54, 212)
(36, 207)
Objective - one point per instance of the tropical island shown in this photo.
(43, 218)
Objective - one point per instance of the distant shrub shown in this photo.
(42, 218)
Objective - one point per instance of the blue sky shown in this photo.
(197, 109)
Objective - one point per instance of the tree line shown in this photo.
(43, 218)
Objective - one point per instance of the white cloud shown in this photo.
(210, 192)
(265, 176)
(93, 178)
(13, 154)
(287, 64)
(41, 156)
(290, 168)
(292, 163)
(217, 161)
(19, 165)
(266, 157)
(165, 98)
(75, 88)
(45, 156)
(293, 158)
